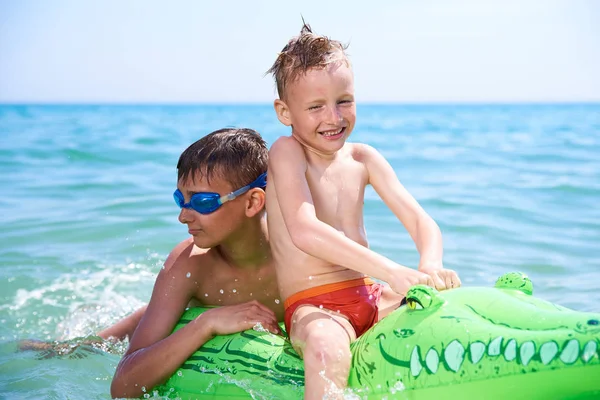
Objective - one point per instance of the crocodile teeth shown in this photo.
(454, 355)
(588, 351)
(432, 360)
(570, 352)
(527, 351)
(494, 347)
(548, 351)
(510, 352)
(476, 350)
(415, 362)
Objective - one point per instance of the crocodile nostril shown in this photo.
(593, 322)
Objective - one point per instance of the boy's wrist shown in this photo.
(204, 329)
(430, 266)
(393, 270)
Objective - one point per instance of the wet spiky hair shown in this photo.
(303, 53)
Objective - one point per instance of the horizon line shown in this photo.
(367, 103)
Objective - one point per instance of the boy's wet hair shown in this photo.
(303, 53)
(237, 155)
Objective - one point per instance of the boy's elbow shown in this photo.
(296, 235)
(115, 389)
(303, 238)
(118, 390)
(118, 387)
(425, 221)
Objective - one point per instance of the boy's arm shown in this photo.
(124, 327)
(287, 169)
(154, 354)
(421, 227)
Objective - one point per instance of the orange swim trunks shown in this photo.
(356, 299)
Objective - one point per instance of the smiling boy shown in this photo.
(315, 203)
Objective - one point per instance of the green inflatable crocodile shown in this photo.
(476, 343)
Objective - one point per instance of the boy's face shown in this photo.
(320, 107)
(210, 230)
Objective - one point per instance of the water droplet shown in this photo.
(321, 306)
(221, 291)
(234, 290)
(205, 294)
(259, 328)
(188, 275)
(276, 301)
(179, 373)
(398, 387)
(250, 294)
(143, 388)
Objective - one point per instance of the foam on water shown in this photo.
(88, 299)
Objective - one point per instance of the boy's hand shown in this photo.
(443, 278)
(407, 278)
(232, 319)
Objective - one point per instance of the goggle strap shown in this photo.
(261, 181)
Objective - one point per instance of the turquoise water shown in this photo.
(88, 217)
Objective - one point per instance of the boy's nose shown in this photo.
(185, 215)
(334, 117)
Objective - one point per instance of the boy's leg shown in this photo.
(323, 340)
(125, 327)
(388, 302)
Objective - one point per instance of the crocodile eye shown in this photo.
(421, 297)
(414, 304)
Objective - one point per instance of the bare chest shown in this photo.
(338, 193)
(224, 288)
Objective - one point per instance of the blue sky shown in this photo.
(193, 51)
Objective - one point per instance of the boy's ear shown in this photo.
(256, 202)
(283, 112)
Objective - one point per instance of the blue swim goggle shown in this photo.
(207, 202)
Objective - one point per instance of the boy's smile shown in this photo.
(334, 134)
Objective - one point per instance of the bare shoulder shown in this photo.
(362, 152)
(286, 156)
(185, 256)
(285, 146)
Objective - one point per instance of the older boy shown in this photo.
(226, 263)
(314, 203)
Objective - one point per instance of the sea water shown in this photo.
(87, 215)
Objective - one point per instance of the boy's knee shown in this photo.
(327, 349)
